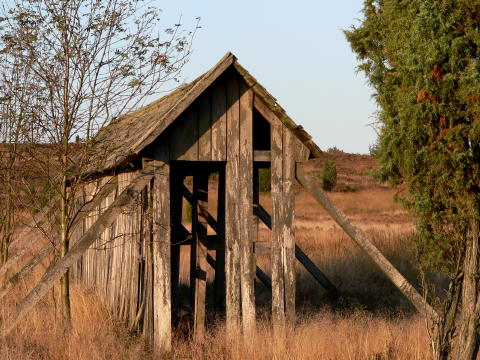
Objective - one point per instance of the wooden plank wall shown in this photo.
(117, 264)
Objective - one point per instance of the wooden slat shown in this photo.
(232, 229)
(219, 121)
(162, 308)
(200, 194)
(204, 128)
(245, 192)
(184, 136)
(288, 229)
(261, 156)
(219, 295)
(359, 237)
(277, 252)
(54, 273)
(176, 217)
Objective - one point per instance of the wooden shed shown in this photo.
(128, 239)
(222, 123)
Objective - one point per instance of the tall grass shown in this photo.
(373, 321)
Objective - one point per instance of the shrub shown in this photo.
(264, 180)
(329, 176)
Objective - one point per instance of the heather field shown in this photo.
(371, 320)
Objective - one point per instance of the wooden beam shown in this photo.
(200, 194)
(261, 156)
(162, 297)
(359, 237)
(277, 248)
(176, 200)
(54, 273)
(232, 226)
(219, 295)
(288, 229)
(245, 193)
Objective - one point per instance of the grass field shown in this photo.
(373, 321)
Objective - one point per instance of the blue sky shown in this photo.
(297, 50)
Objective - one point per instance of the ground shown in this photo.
(372, 321)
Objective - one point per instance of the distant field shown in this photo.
(373, 321)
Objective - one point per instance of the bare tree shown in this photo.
(90, 62)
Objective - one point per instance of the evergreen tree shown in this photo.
(422, 58)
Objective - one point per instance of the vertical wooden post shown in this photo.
(232, 229)
(176, 220)
(200, 194)
(256, 220)
(277, 248)
(162, 321)
(288, 228)
(219, 302)
(283, 235)
(245, 184)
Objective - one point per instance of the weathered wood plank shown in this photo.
(278, 222)
(219, 121)
(56, 272)
(219, 295)
(359, 237)
(261, 156)
(176, 218)
(232, 229)
(162, 307)
(245, 192)
(184, 137)
(200, 194)
(204, 128)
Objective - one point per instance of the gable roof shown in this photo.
(125, 137)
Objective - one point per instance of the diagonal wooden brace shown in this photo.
(366, 245)
(55, 272)
(106, 189)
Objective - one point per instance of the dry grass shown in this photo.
(373, 322)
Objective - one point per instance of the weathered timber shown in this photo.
(359, 237)
(176, 218)
(200, 194)
(288, 227)
(204, 127)
(162, 298)
(219, 121)
(232, 226)
(277, 249)
(245, 202)
(219, 294)
(54, 273)
(261, 156)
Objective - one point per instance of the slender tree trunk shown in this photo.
(65, 280)
(8, 223)
(468, 340)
